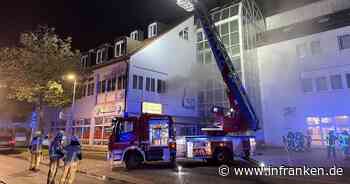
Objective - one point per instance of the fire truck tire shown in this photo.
(133, 160)
(223, 156)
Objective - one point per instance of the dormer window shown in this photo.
(84, 61)
(99, 56)
(136, 35)
(183, 34)
(153, 30)
(119, 48)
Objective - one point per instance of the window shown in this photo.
(84, 61)
(160, 86)
(134, 82)
(83, 90)
(184, 34)
(224, 29)
(140, 83)
(336, 82)
(91, 88)
(348, 79)
(200, 36)
(315, 47)
(121, 82)
(119, 49)
(153, 85)
(301, 50)
(321, 84)
(344, 42)
(225, 13)
(148, 84)
(99, 56)
(152, 30)
(109, 85)
(114, 81)
(307, 85)
(208, 58)
(103, 86)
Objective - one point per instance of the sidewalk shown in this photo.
(313, 158)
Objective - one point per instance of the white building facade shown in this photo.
(134, 76)
(305, 72)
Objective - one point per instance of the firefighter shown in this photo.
(55, 154)
(331, 143)
(72, 155)
(35, 149)
(344, 140)
(308, 140)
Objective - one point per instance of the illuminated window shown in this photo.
(313, 120)
(152, 30)
(326, 120)
(342, 119)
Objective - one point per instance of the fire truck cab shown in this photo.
(135, 140)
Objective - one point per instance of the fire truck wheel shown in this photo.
(223, 156)
(132, 161)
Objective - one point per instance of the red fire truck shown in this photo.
(136, 140)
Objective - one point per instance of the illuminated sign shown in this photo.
(151, 108)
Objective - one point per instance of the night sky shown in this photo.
(92, 22)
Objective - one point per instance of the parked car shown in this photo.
(21, 139)
(7, 140)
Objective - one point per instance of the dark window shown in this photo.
(344, 42)
(153, 85)
(348, 79)
(123, 82)
(103, 86)
(134, 82)
(99, 87)
(109, 85)
(90, 90)
(336, 82)
(83, 90)
(159, 86)
(307, 85)
(114, 80)
(120, 82)
(140, 82)
(148, 84)
(321, 84)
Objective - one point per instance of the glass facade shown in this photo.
(239, 26)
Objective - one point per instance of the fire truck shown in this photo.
(150, 137)
(232, 133)
(135, 140)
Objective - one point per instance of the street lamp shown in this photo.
(71, 77)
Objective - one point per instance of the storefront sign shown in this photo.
(151, 108)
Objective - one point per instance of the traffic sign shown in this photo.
(34, 120)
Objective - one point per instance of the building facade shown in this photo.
(240, 25)
(304, 71)
(134, 76)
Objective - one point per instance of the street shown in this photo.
(14, 171)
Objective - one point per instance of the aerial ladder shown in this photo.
(233, 131)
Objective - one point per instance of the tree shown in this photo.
(33, 70)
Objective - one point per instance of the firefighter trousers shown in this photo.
(35, 159)
(69, 172)
(54, 164)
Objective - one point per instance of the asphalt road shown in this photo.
(14, 171)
